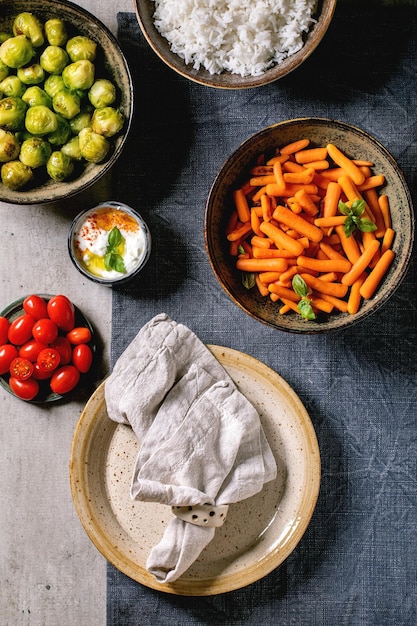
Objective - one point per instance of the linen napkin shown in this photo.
(202, 442)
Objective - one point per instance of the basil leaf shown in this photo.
(306, 310)
(343, 208)
(118, 264)
(108, 261)
(358, 207)
(299, 285)
(115, 237)
(366, 226)
(248, 280)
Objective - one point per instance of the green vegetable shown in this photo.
(31, 74)
(53, 59)
(12, 86)
(35, 152)
(9, 146)
(12, 113)
(56, 32)
(113, 260)
(93, 147)
(59, 166)
(28, 25)
(16, 51)
(15, 174)
(81, 47)
(353, 219)
(304, 306)
(40, 120)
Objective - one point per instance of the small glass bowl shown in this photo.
(113, 277)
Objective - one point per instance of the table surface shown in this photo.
(50, 572)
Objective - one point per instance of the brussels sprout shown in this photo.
(79, 75)
(56, 32)
(61, 134)
(72, 149)
(9, 146)
(102, 93)
(35, 95)
(35, 152)
(59, 166)
(31, 74)
(93, 147)
(4, 35)
(28, 25)
(16, 51)
(53, 84)
(4, 70)
(40, 120)
(67, 103)
(12, 86)
(107, 121)
(12, 113)
(16, 175)
(81, 47)
(53, 59)
(80, 121)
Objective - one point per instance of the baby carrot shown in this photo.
(321, 305)
(387, 240)
(385, 210)
(260, 181)
(269, 277)
(339, 304)
(281, 239)
(294, 205)
(286, 216)
(260, 241)
(310, 154)
(349, 245)
(306, 202)
(288, 304)
(240, 231)
(331, 220)
(373, 279)
(272, 253)
(361, 264)
(260, 170)
(371, 199)
(263, 289)
(278, 177)
(241, 205)
(261, 265)
(295, 146)
(349, 188)
(306, 176)
(354, 299)
(346, 164)
(323, 287)
(292, 166)
(283, 292)
(319, 165)
(290, 189)
(255, 223)
(372, 181)
(330, 251)
(330, 265)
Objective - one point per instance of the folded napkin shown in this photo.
(202, 442)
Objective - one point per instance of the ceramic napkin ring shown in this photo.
(202, 514)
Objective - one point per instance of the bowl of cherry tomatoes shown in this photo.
(47, 348)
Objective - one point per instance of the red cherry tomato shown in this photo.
(21, 368)
(4, 330)
(62, 311)
(82, 357)
(80, 334)
(24, 389)
(20, 330)
(48, 360)
(39, 374)
(65, 379)
(35, 306)
(8, 352)
(63, 346)
(31, 349)
(45, 330)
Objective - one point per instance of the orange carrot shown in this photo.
(346, 164)
(349, 188)
(349, 245)
(374, 278)
(330, 251)
(319, 165)
(331, 199)
(372, 181)
(257, 195)
(260, 181)
(292, 166)
(361, 264)
(283, 292)
(261, 170)
(269, 277)
(272, 253)
(260, 241)
(306, 202)
(321, 305)
(302, 226)
(331, 265)
(332, 220)
(387, 240)
(261, 265)
(278, 177)
(339, 304)
(354, 299)
(290, 189)
(295, 146)
(371, 198)
(241, 205)
(240, 231)
(306, 176)
(310, 154)
(255, 223)
(385, 210)
(263, 289)
(294, 205)
(281, 239)
(323, 287)
(266, 208)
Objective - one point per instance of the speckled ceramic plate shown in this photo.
(259, 533)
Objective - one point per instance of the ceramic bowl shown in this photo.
(100, 220)
(45, 395)
(356, 143)
(110, 62)
(227, 80)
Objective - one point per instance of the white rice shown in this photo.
(243, 37)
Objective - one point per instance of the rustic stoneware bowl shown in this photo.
(145, 10)
(110, 63)
(354, 142)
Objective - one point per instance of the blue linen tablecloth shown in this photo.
(356, 564)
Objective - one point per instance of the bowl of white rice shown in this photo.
(234, 44)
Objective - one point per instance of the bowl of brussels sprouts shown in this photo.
(66, 100)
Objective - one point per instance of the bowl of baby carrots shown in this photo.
(309, 225)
